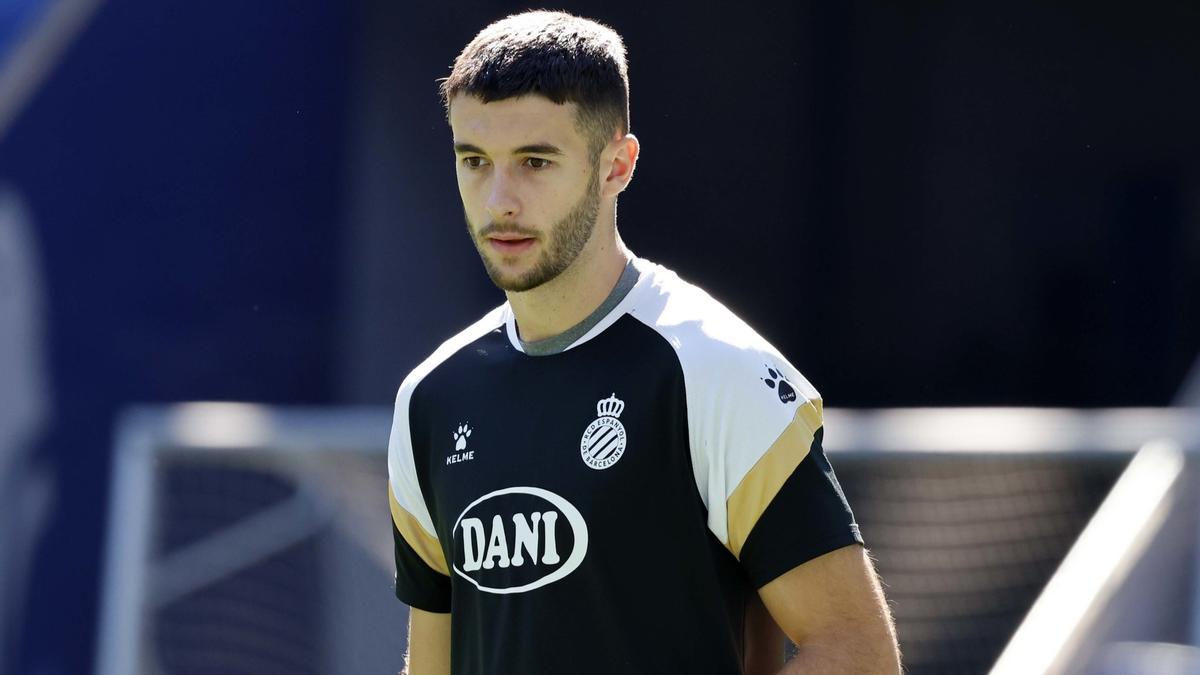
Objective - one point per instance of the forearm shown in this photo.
(846, 656)
(428, 644)
(866, 647)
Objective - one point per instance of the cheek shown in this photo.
(554, 192)
(470, 191)
(464, 182)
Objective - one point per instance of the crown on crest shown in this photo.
(611, 406)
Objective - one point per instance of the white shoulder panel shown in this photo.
(733, 384)
(402, 474)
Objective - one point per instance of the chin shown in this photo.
(516, 283)
(519, 282)
(508, 279)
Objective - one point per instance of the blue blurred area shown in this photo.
(16, 16)
(921, 204)
(182, 167)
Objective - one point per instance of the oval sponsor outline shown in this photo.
(566, 508)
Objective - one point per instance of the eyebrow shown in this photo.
(532, 149)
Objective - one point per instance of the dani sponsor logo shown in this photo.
(518, 539)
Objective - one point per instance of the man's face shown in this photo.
(530, 192)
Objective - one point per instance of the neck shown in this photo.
(570, 297)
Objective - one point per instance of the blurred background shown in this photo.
(922, 204)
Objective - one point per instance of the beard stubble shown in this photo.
(567, 239)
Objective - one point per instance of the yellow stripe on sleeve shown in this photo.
(764, 480)
(427, 547)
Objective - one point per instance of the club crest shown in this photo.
(603, 442)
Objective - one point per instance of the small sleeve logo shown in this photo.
(603, 442)
(779, 383)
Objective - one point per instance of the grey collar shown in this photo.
(559, 343)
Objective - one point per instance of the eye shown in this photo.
(537, 163)
(474, 161)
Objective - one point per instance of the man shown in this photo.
(610, 473)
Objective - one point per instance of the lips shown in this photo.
(510, 244)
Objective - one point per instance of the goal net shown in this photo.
(250, 539)
(247, 540)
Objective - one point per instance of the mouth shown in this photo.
(510, 244)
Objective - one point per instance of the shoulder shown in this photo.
(486, 324)
(715, 347)
(401, 461)
(742, 396)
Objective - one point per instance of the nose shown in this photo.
(502, 202)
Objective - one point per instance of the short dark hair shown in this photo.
(552, 54)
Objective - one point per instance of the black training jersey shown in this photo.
(608, 509)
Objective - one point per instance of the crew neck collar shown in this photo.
(556, 344)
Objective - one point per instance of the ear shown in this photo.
(621, 156)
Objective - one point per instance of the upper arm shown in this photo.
(833, 605)
(428, 643)
(773, 500)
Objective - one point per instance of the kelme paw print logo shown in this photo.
(779, 383)
(460, 437)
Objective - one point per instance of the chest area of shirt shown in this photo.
(588, 442)
(534, 469)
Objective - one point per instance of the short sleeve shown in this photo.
(422, 575)
(756, 426)
(421, 579)
(789, 508)
(754, 433)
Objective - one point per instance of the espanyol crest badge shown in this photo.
(603, 442)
